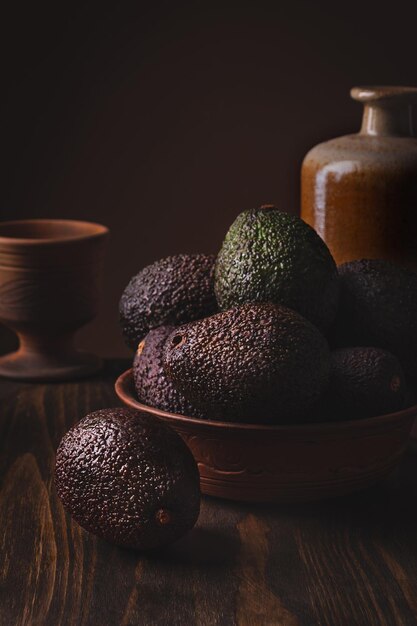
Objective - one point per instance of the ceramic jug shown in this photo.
(359, 191)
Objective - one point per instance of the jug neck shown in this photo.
(388, 111)
(379, 120)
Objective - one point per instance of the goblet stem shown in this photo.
(48, 357)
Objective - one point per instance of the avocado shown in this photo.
(378, 307)
(252, 363)
(271, 256)
(365, 382)
(152, 385)
(174, 290)
(128, 478)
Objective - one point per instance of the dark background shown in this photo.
(164, 120)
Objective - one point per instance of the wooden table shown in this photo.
(347, 562)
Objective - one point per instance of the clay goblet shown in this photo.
(50, 274)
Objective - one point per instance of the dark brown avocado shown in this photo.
(377, 307)
(365, 382)
(152, 385)
(172, 291)
(128, 478)
(254, 363)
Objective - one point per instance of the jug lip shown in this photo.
(39, 231)
(392, 94)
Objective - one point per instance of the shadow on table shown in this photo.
(202, 546)
(386, 511)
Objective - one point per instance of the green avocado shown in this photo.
(271, 256)
(253, 363)
(365, 382)
(128, 478)
(151, 383)
(174, 290)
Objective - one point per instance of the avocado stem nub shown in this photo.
(177, 340)
(163, 517)
(267, 207)
(395, 383)
(140, 347)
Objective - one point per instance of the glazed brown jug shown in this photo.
(359, 191)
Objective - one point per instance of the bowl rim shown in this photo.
(127, 377)
(88, 230)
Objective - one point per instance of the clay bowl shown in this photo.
(286, 463)
(50, 273)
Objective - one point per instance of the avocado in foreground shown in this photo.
(128, 478)
(365, 382)
(174, 290)
(271, 256)
(153, 388)
(255, 363)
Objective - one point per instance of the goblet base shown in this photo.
(38, 367)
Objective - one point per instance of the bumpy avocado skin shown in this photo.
(366, 382)
(174, 290)
(377, 307)
(118, 468)
(152, 385)
(271, 256)
(259, 363)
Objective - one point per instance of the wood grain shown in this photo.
(256, 603)
(347, 562)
